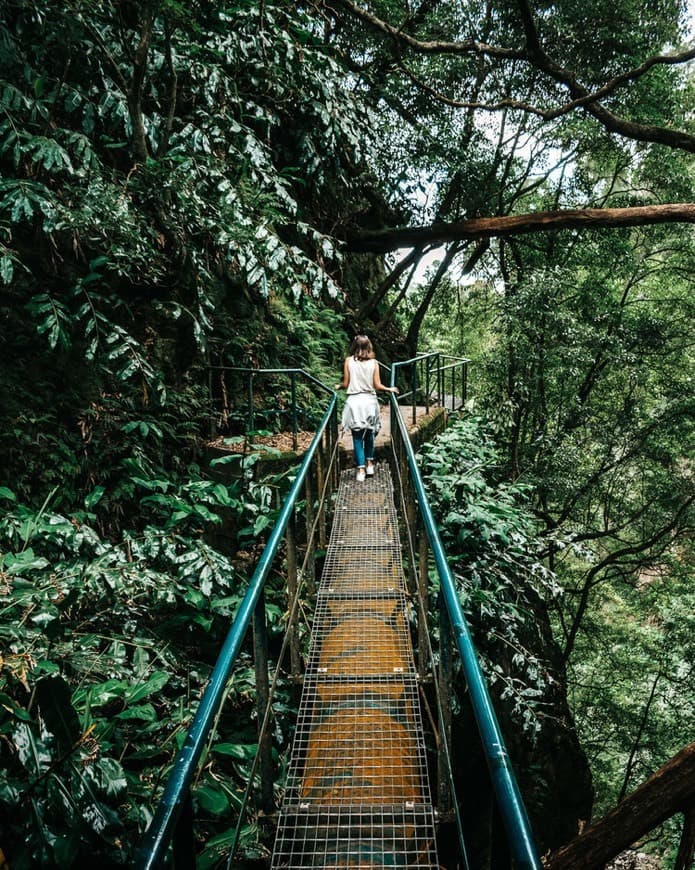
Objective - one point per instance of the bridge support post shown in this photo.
(414, 399)
(183, 843)
(310, 514)
(336, 438)
(423, 584)
(445, 676)
(411, 519)
(291, 541)
(265, 750)
(320, 477)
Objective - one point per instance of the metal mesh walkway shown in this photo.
(357, 793)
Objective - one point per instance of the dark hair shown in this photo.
(361, 347)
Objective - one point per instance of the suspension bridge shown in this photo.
(358, 790)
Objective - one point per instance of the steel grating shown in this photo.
(357, 792)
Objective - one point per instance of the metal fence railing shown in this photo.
(432, 379)
(245, 400)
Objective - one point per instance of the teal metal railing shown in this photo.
(173, 820)
(509, 801)
(234, 406)
(426, 374)
(432, 379)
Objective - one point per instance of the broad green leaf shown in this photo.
(94, 497)
(212, 799)
(19, 563)
(153, 684)
(6, 269)
(66, 849)
(143, 712)
(107, 776)
(239, 751)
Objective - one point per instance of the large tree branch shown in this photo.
(581, 97)
(140, 149)
(615, 124)
(173, 91)
(370, 305)
(381, 241)
(686, 848)
(476, 47)
(547, 114)
(669, 791)
(416, 321)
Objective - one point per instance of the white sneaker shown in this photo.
(370, 470)
(360, 475)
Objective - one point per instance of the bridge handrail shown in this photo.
(506, 790)
(252, 371)
(158, 836)
(427, 380)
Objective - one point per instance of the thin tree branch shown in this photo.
(419, 316)
(470, 46)
(370, 305)
(593, 579)
(559, 111)
(476, 104)
(96, 36)
(386, 319)
(535, 55)
(638, 738)
(173, 91)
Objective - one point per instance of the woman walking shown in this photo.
(361, 414)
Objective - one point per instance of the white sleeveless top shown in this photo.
(361, 376)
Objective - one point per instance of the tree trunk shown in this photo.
(416, 322)
(686, 849)
(140, 150)
(669, 791)
(382, 241)
(370, 305)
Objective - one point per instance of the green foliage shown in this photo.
(136, 264)
(457, 321)
(224, 172)
(631, 673)
(106, 648)
(585, 373)
(166, 210)
(489, 537)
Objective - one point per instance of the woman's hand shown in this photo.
(393, 390)
(338, 387)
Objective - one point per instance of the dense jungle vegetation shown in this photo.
(190, 184)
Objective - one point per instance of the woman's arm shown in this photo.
(377, 382)
(343, 385)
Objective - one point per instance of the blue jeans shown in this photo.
(363, 446)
